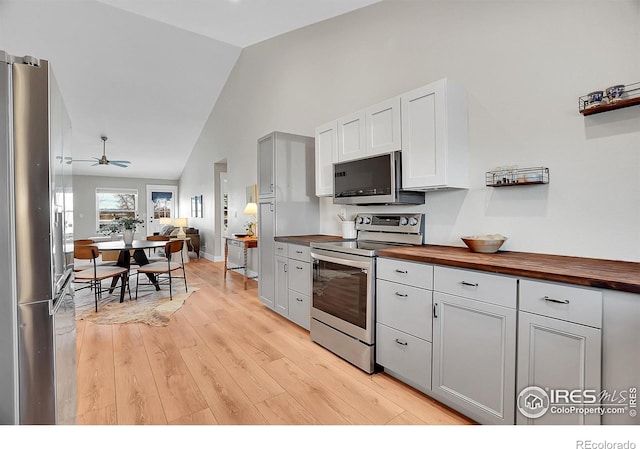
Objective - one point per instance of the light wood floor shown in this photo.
(224, 358)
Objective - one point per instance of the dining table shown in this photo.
(136, 250)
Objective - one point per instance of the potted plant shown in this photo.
(111, 229)
(129, 225)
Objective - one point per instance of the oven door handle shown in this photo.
(342, 261)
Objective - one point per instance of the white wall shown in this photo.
(84, 200)
(524, 64)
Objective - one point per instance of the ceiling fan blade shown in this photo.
(118, 164)
(97, 163)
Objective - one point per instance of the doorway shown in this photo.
(161, 204)
(221, 194)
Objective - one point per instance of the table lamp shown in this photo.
(181, 223)
(251, 209)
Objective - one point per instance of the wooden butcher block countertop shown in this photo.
(600, 273)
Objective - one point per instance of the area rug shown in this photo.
(152, 307)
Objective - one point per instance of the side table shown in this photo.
(246, 243)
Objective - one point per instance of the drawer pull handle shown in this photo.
(470, 284)
(400, 342)
(298, 268)
(558, 301)
(298, 252)
(402, 295)
(298, 299)
(401, 271)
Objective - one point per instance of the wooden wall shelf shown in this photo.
(631, 97)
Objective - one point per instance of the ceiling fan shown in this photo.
(102, 160)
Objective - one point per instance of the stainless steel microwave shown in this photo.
(372, 180)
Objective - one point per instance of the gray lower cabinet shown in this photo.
(474, 344)
(299, 295)
(403, 321)
(292, 298)
(559, 349)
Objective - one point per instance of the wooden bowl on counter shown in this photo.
(484, 243)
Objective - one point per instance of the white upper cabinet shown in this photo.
(429, 125)
(371, 131)
(352, 137)
(435, 137)
(326, 155)
(382, 125)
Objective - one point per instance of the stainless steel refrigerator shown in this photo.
(37, 311)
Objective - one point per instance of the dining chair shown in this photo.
(97, 273)
(162, 271)
(81, 242)
(152, 251)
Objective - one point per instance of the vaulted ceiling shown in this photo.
(146, 73)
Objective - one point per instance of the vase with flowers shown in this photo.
(129, 225)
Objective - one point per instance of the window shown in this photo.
(112, 204)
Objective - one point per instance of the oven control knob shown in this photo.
(360, 220)
(404, 221)
(367, 220)
(413, 221)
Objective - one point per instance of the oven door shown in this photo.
(343, 292)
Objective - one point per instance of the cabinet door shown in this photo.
(326, 155)
(351, 137)
(266, 166)
(266, 226)
(281, 286)
(382, 125)
(474, 357)
(556, 354)
(435, 138)
(423, 133)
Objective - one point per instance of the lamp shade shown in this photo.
(165, 220)
(251, 209)
(180, 222)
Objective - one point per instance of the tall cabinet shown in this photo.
(287, 204)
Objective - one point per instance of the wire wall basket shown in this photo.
(514, 176)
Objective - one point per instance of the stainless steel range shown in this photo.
(344, 279)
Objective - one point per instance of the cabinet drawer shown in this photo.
(491, 288)
(565, 302)
(411, 273)
(280, 249)
(299, 252)
(405, 355)
(405, 308)
(299, 276)
(299, 309)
